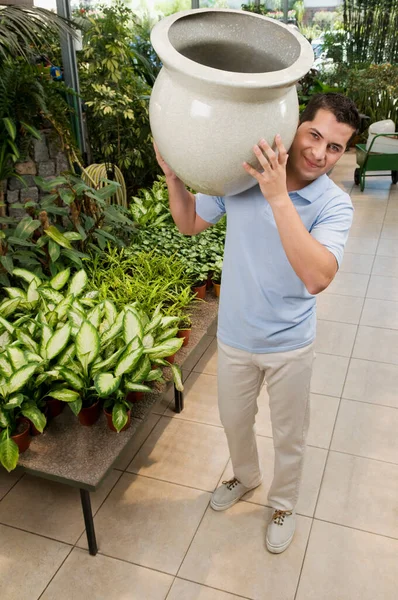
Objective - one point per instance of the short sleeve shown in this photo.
(210, 208)
(332, 226)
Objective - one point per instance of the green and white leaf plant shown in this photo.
(77, 348)
(16, 370)
(217, 271)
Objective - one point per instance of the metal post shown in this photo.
(285, 10)
(71, 76)
(178, 400)
(195, 3)
(88, 521)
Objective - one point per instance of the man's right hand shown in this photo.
(163, 164)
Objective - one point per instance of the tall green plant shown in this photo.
(23, 29)
(374, 89)
(28, 97)
(116, 96)
(372, 27)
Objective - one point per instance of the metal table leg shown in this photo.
(178, 401)
(88, 521)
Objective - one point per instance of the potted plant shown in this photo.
(79, 339)
(184, 329)
(199, 274)
(16, 371)
(217, 271)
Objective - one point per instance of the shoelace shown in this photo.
(231, 483)
(279, 516)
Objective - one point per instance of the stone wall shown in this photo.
(46, 160)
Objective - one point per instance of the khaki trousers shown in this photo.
(287, 374)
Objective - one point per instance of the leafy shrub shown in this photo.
(373, 88)
(198, 253)
(58, 231)
(144, 276)
(151, 207)
(311, 84)
(28, 98)
(116, 96)
(325, 19)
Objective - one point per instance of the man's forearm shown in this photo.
(311, 261)
(182, 205)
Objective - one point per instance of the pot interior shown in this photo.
(239, 43)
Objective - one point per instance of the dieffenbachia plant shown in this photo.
(15, 373)
(83, 347)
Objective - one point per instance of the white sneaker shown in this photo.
(280, 530)
(229, 493)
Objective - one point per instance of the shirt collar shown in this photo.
(312, 191)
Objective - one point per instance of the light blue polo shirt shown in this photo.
(264, 306)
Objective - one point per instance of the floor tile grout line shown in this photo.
(12, 487)
(363, 324)
(199, 524)
(382, 535)
(368, 403)
(170, 588)
(56, 573)
(213, 588)
(374, 360)
(129, 562)
(380, 362)
(41, 535)
(303, 560)
(385, 462)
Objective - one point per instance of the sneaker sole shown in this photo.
(225, 506)
(279, 549)
(220, 507)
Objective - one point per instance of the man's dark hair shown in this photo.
(342, 107)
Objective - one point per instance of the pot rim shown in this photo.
(172, 59)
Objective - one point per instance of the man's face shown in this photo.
(318, 145)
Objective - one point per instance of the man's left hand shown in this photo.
(272, 180)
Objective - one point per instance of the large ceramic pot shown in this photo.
(228, 80)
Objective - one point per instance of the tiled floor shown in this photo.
(157, 536)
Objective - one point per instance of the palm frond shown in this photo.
(23, 28)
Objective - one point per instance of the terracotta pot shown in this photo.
(223, 67)
(33, 430)
(55, 407)
(134, 397)
(184, 333)
(170, 359)
(89, 415)
(217, 287)
(109, 420)
(209, 282)
(22, 439)
(200, 291)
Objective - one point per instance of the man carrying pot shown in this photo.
(284, 244)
